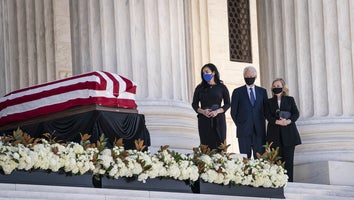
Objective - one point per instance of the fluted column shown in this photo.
(28, 54)
(200, 35)
(145, 41)
(345, 13)
(317, 44)
(310, 44)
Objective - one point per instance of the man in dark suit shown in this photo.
(247, 112)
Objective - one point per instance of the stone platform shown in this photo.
(303, 191)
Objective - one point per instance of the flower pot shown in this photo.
(40, 177)
(241, 190)
(156, 184)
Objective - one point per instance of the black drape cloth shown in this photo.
(114, 125)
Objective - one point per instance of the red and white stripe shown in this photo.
(98, 87)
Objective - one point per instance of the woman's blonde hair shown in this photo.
(285, 89)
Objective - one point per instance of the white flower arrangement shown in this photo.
(222, 168)
(20, 152)
(71, 159)
(256, 173)
(118, 162)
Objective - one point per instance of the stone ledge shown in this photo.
(325, 172)
(294, 190)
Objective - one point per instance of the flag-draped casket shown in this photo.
(98, 87)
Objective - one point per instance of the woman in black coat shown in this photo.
(281, 112)
(211, 100)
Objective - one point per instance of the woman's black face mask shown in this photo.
(277, 90)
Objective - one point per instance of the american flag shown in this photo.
(98, 87)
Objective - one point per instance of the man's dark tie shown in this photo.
(252, 97)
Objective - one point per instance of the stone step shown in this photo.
(50, 195)
(295, 191)
(315, 197)
(307, 189)
(15, 198)
(23, 191)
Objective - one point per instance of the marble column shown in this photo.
(310, 44)
(145, 41)
(200, 36)
(28, 54)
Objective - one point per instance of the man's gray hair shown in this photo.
(250, 68)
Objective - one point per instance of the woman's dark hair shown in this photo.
(212, 68)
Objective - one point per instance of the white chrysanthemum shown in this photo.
(105, 161)
(162, 171)
(193, 174)
(8, 166)
(134, 167)
(206, 159)
(156, 169)
(124, 172)
(210, 176)
(173, 171)
(75, 148)
(113, 172)
(143, 177)
(267, 183)
(25, 161)
(101, 171)
(259, 180)
(247, 180)
(186, 168)
(15, 156)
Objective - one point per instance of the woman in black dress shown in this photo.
(207, 99)
(281, 112)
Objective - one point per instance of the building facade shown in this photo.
(161, 45)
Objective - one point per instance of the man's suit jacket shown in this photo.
(246, 117)
(287, 135)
